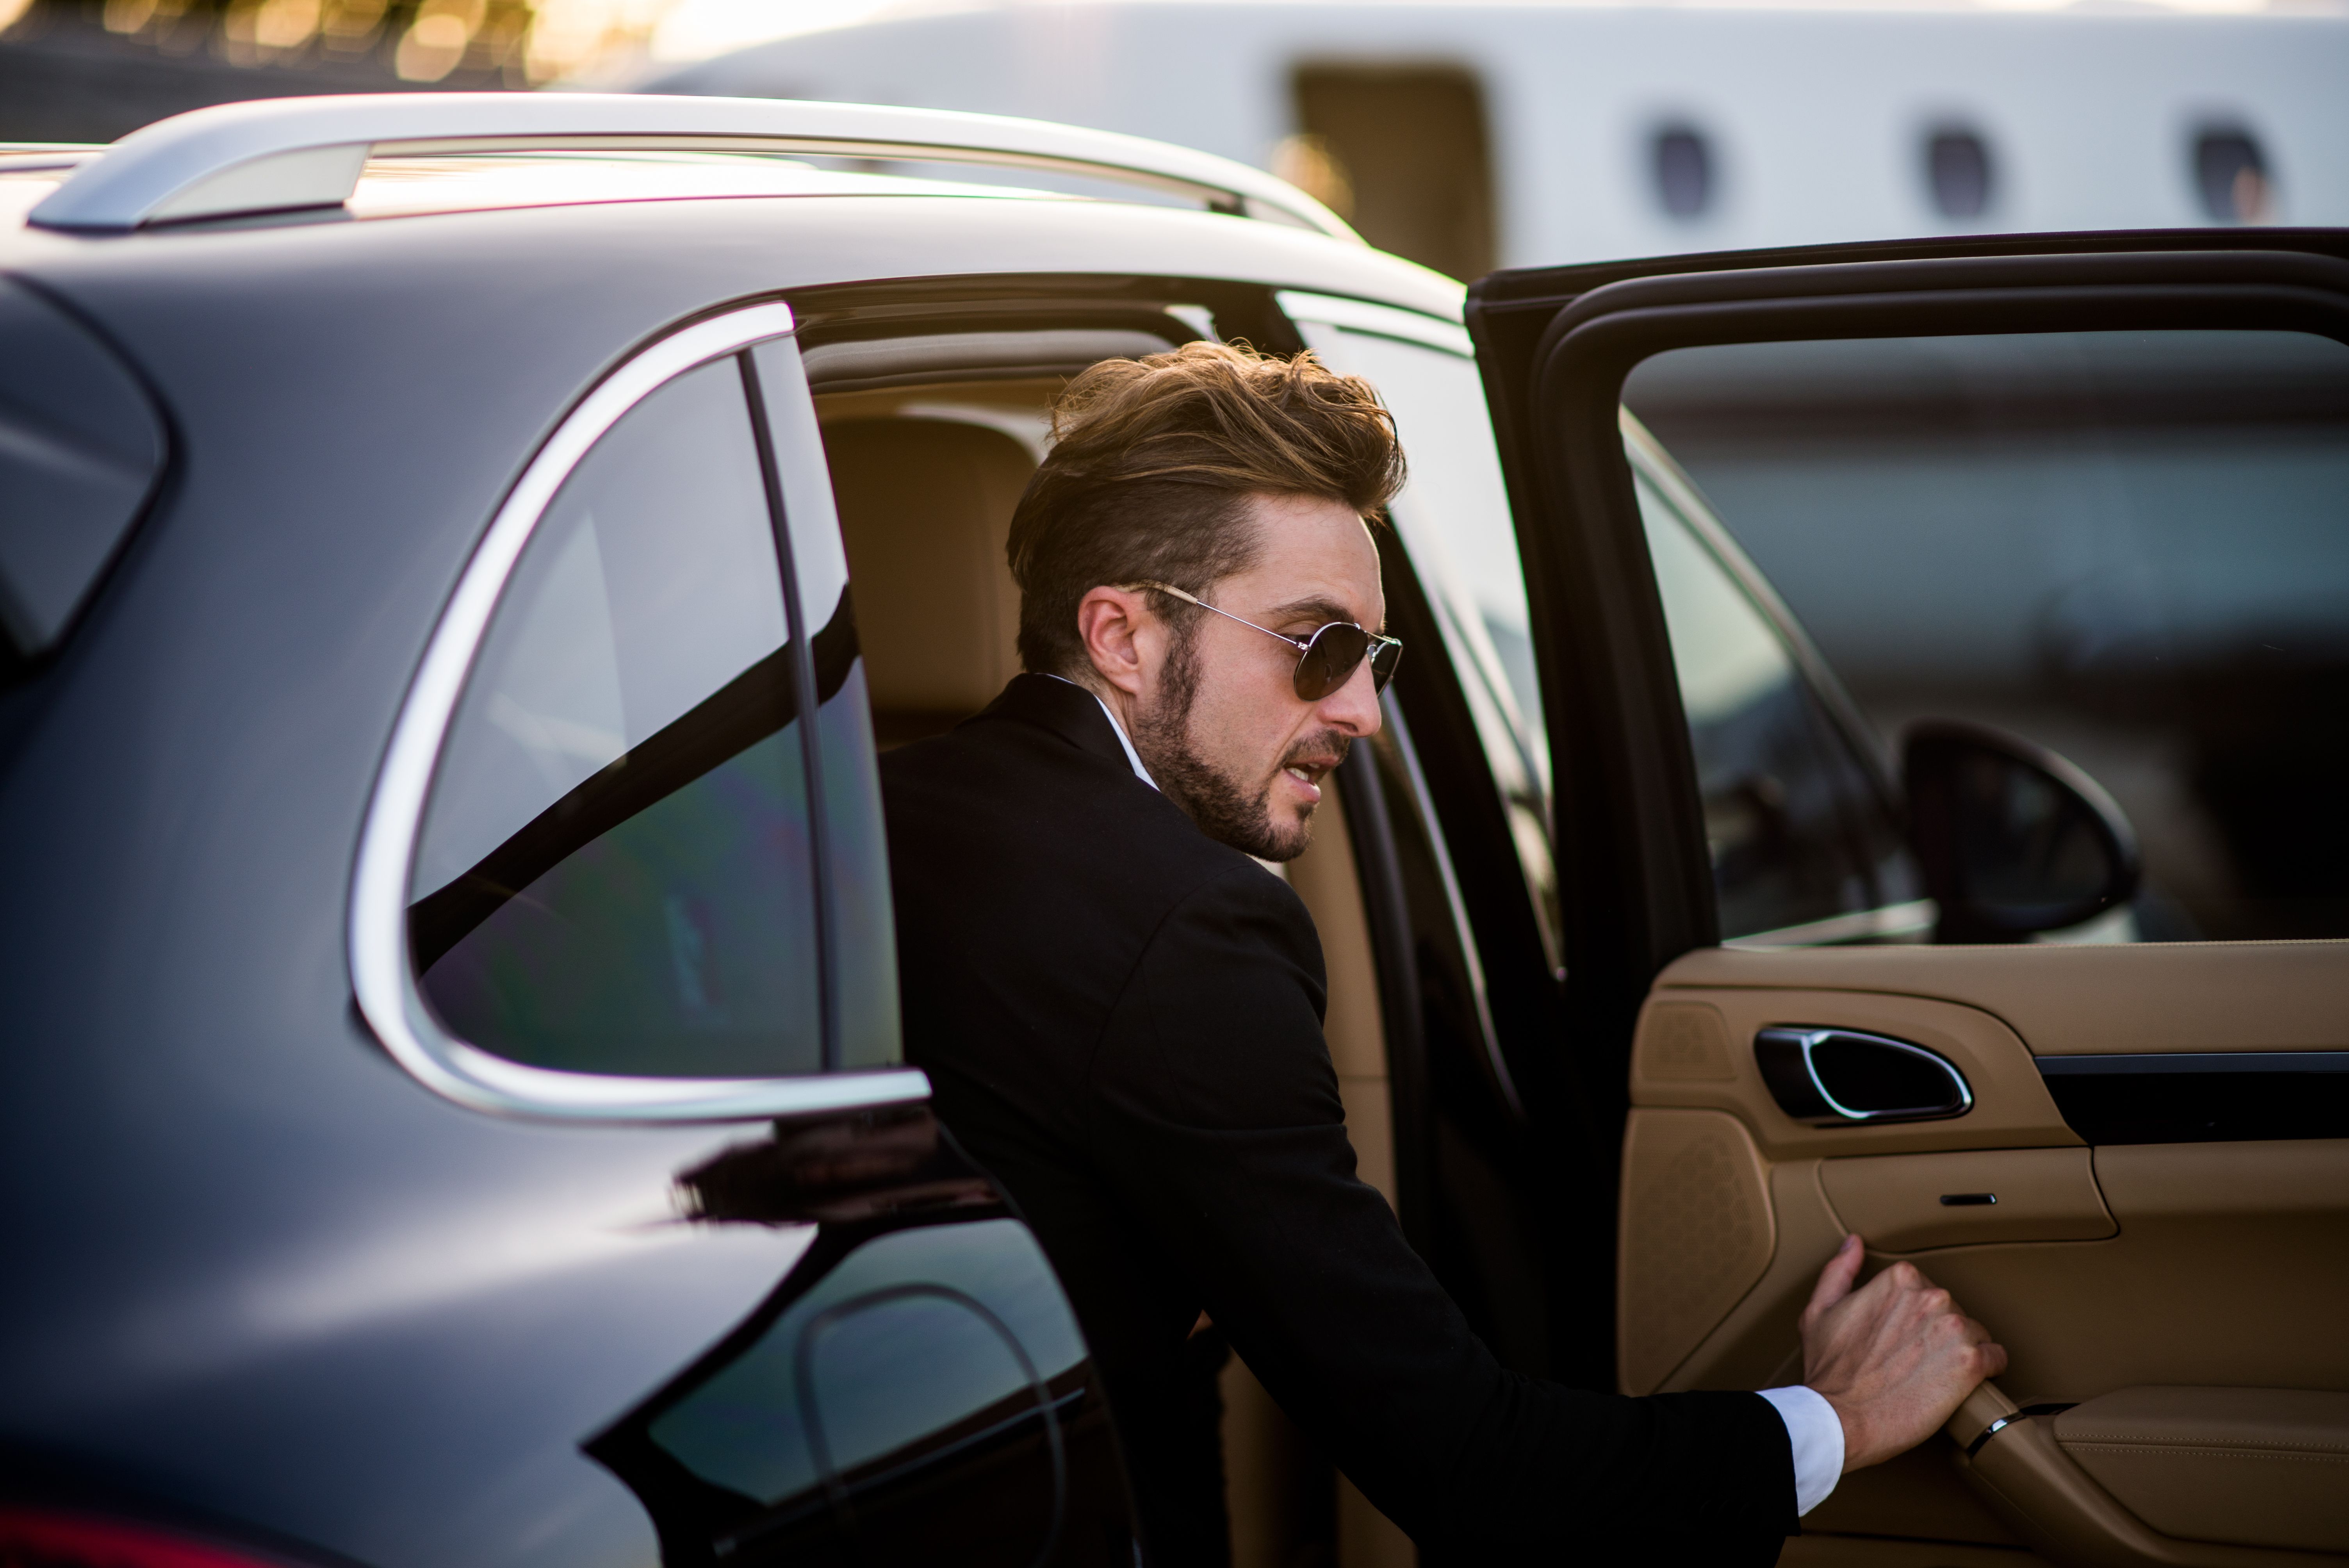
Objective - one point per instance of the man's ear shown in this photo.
(1121, 636)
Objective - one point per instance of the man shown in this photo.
(1121, 1010)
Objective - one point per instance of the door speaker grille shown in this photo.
(1684, 1042)
(1697, 1233)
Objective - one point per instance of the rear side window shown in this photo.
(614, 871)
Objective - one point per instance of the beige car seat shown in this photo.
(924, 507)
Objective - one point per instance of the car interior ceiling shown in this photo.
(931, 440)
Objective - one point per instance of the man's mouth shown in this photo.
(1316, 756)
(1310, 770)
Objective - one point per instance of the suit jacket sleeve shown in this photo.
(1215, 1111)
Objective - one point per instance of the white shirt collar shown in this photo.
(1132, 755)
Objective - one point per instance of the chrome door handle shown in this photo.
(1832, 1078)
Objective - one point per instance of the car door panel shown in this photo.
(2036, 1483)
(2220, 1266)
(2230, 1258)
(2148, 1197)
(2146, 1447)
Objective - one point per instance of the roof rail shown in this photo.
(286, 154)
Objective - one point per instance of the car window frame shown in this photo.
(382, 982)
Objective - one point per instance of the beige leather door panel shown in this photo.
(2034, 1480)
(2269, 1466)
(2067, 1000)
(2186, 1301)
(2011, 1106)
(1907, 1202)
(1690, 1325)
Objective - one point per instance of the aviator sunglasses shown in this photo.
(1327, 659)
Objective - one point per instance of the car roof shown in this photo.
(649, 221)
(410, 193)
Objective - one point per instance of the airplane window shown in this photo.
(1958, 172)
(1683, 171)
(2231, 174)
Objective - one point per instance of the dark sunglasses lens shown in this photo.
(1383, 660)
(1329, 660)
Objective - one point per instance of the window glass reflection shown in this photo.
(1791, 823)
(614, 874)
(2131, 548)
(929, 1394)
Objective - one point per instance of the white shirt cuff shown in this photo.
(1816, 1431)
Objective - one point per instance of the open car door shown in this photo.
(1807, 977)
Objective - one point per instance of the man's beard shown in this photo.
(1228, 809)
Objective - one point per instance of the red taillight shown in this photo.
(37, 1538)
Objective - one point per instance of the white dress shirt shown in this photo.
(1813, 1428)
(1816, 1433)
(1132, 755)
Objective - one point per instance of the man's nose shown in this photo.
(1353, 708)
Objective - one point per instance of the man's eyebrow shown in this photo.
(1320, 610)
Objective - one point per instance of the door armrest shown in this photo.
(2266, 1466)
(2181, 1478)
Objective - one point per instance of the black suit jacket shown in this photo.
(1122, 1019)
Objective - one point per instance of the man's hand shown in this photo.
(1895, 1360)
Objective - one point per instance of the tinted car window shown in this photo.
(1795, 826)
(614, 870)
(2130, 547)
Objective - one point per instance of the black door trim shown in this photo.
(1953, 279)
(2201, 1097)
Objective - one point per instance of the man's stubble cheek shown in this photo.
(1230, 811)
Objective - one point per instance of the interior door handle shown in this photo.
(1830, 1077)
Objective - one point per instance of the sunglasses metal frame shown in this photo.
(1378, 642)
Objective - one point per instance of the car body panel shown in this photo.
(282, 1285)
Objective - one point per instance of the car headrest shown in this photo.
(924, 507)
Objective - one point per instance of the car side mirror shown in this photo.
(2012, 838)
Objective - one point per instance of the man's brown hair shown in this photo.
(1152, 461)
